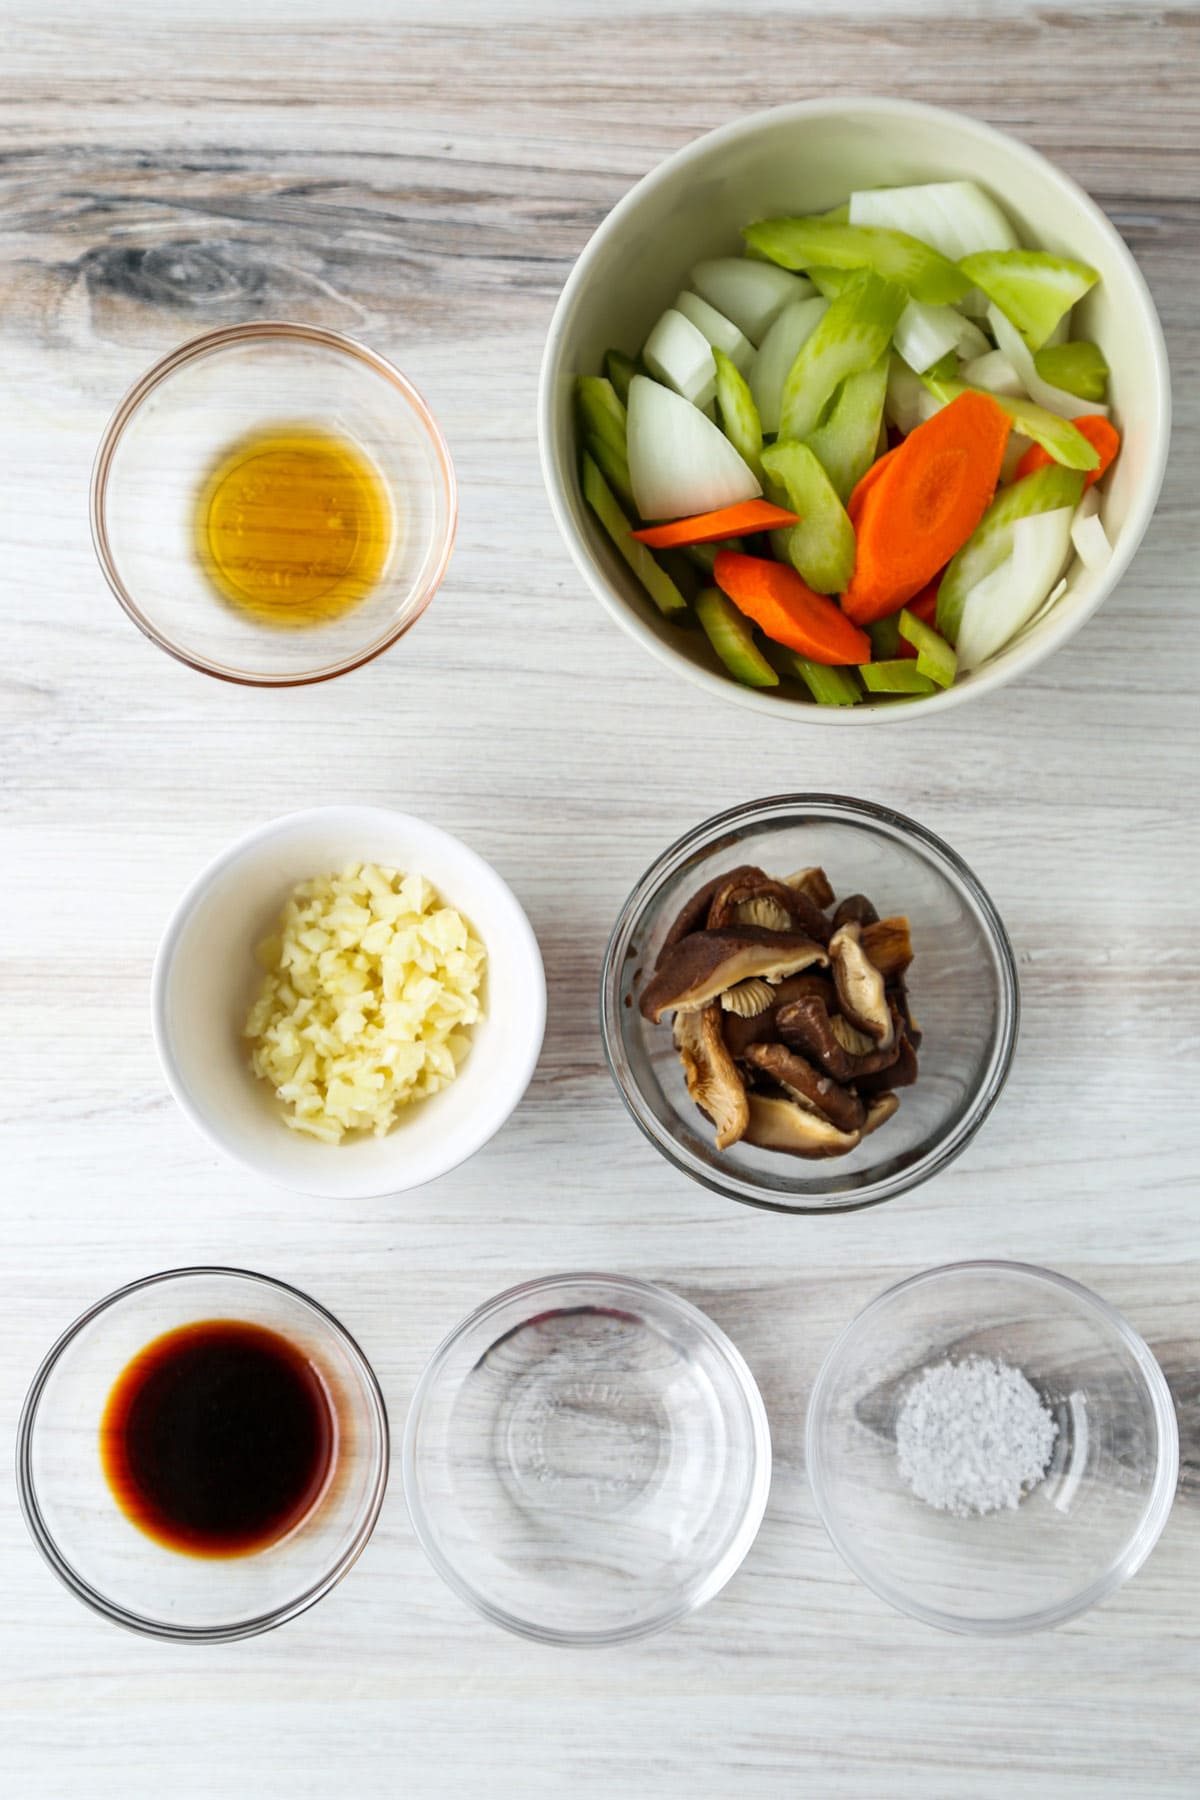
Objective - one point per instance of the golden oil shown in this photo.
(294, 525)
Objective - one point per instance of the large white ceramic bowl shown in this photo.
(801, 159)
(206, 976)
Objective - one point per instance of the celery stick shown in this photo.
(902, 677)
(955, 217)
(656, 581)
(1031, 287)
(935, 657)
(778, 351)
(620, 370)
(825, 243)
(845, 443)
(885, 638)
(739, 415)
(831, 282)
(703, 556)
(613, 465)
(1046, 490)
(1077, 368)
(601, 410)
(852, 335)
(821, 547)
(732, 637)
(1059, 437)
(828, 686)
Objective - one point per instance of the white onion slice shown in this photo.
(679, 354)
(955, 217)
(1091, 540)
(773, 364)
(1055, 400)
(721, 332)
(994, 373)
(751, 293)
(998, 606)
(679, 462)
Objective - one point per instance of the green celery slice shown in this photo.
(613, 465)
(1047, 489)
(885, 637)
(829, 686)
(703, 556)
(829, 243)
(1058, 437)
(620, 370)
(1031, 287)
(601, 410)
(1077, 368)
(732, 637)
(935, 657)
(657, 583)
(845, 443)
(831, 282)
(738, 414)
(821, 547)
(853, 334)
(902, 677)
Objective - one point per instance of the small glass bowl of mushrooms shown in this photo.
(809, 1004)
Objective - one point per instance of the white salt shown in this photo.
(973, 1436)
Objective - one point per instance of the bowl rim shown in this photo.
(205, 344)
(1158, 1504)
(845, 810)
(519, 1068)
(99, 1603)
(754, 1507)
(984, 681)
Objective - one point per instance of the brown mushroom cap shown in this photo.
(782, 1125)
(902, 1073)
(701, 966)
(754, 899)
(693, 913)
(808, 1086)
(888, 943)
(861, 988)
(814, 883)
(881, 1109)
(854, 909)
(712, 1078)
(805, 1025)
(741, 1032)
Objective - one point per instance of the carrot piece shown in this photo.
(787, 610)
(925, 504)
(1100, 433)
(866, 482)
(924, 607)
(726, 522)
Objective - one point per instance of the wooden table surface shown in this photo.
(423, 178)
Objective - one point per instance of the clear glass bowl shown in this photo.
(587, 1459)
(963, 985)
(1085, 1529)
(184, 414)
(102, 1556)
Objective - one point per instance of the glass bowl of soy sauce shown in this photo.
(273, 504)
(203, 1454)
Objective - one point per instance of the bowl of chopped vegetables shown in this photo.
(992, 1448)
(852, 403)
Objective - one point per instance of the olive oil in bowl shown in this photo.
(294, 525)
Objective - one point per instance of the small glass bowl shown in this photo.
(184, 414)
(1083, 1530)
(587, 1459)
(963, 986)
(102, 1556)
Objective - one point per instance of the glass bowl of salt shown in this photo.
(992, 1448)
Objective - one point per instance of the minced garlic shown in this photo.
(372, 985)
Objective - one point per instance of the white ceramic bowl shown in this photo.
(800, 159)
(205, 978)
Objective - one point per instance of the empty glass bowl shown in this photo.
(962, 983)
(1075, 1536)
(185, 414)
(115, 1567)
(587, 1459)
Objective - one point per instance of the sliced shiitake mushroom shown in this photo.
(902, 1073)
(807, 1085)
(854, 909)
(749, 998)
(741, 1031)
(711, 1075)
(706, 963)
(888, 943)
(693, 914)
(881, 1109)
(780, 1124)
(806, 1025)
(861, 988)
(754, 899)
(814, 883)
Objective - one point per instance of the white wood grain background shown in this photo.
(423, 177)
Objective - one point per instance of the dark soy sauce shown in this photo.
(218, 1438)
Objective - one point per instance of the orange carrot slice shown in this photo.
(709, 527)
(866, 482)
(787, 610)
(1100, 433)
(925, 504)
